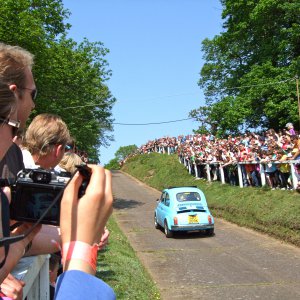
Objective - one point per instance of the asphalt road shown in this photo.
(236, 263)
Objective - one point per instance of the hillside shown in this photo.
(276, 213)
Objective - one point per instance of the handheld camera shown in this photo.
(35, 191)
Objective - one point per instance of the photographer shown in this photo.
(17, 92)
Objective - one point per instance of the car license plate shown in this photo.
(193, 219)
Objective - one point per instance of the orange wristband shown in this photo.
(82, 251)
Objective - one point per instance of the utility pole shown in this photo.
(297, 85)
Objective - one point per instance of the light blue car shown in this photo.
(183, 209)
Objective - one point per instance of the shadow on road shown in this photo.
(189, 235)
(125, 203)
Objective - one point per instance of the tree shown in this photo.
(113, 164)
(70, 77)
(76, 86)
(202, 115)
(124, 151)
(249, 74)
(33, 24)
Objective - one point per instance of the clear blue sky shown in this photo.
(155, 56)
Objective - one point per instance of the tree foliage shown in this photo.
(124, 151)
(113, 164)
(70, 76)
(250, 67)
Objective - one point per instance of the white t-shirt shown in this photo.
(28, 160)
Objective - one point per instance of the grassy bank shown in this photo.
(119, 266)
(276, 213)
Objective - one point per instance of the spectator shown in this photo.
(290, 127)
(68, 163)
(284, 171)
(296, 148)
(45, 141)
(251, 170)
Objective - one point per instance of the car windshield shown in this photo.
(188, 196)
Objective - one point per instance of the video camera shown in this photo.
(37, 192)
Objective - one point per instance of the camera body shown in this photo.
(34, 191)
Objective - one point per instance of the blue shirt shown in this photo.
(76, 284)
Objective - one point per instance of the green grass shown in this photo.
(276, 213)
(119, 267)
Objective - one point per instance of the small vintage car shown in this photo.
(183, 209)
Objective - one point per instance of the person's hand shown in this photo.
(82, 219)
(12, 287)
(104, 239)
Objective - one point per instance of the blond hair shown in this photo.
(44, 132)
(69, 161)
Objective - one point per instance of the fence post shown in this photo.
(222, 174)
(208, 172)
(196, 170)
(240, 175)
(294, 176)
(190, 167)
(262, 174)
(34, 271)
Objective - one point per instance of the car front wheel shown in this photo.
(156, 225)
(168, 232)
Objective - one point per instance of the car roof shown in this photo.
(182, 189)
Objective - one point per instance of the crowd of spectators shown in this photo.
(274, 149)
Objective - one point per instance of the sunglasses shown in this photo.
(33, 92)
